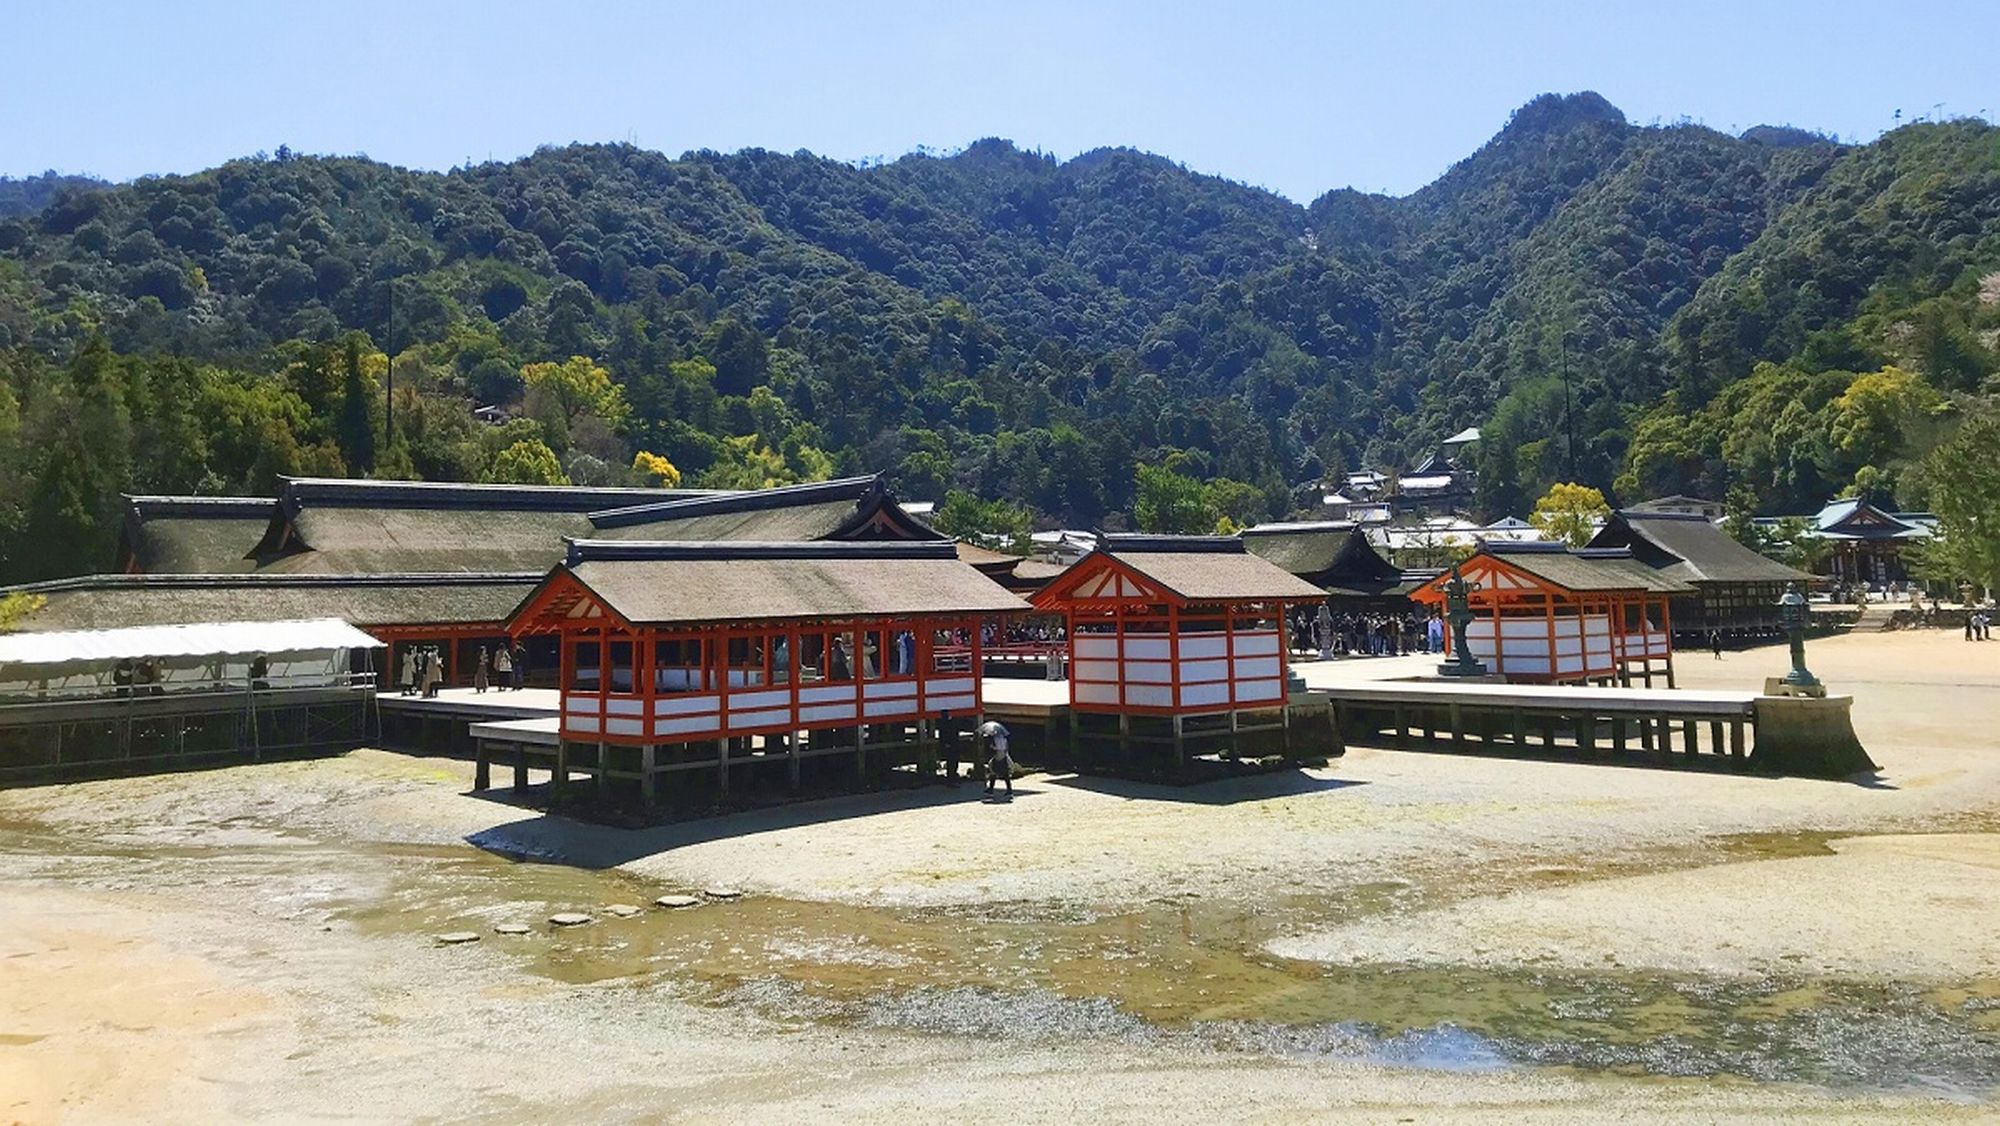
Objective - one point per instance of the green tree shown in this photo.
(989, 523)
(1962, 477)
(356, 427)
(528, 463)
(16, 608)
(575, 387)
(1171, 502)
(1570, 513)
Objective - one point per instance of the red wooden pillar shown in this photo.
(978, 665)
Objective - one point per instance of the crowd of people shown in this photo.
(1365, 634)
(502, 667)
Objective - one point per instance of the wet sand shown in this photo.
(251, 943)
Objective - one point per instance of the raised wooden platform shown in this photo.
(1590, 722)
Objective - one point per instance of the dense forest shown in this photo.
(1771, 317)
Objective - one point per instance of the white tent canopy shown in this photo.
(209, 657)
(207, 639)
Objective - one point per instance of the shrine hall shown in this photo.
(1173, 641)
(1546, 614)
(728, 662)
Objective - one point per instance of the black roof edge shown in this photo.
(1643, 514)
(191, 582)
(588, 551)
(1112, 543)
(757, 500)
(337, 492)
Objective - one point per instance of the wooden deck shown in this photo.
(1590, 722)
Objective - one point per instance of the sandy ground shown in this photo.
(232, 995)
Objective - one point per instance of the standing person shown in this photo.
(520, 665)
(1715, 642)
(479, 673)
(260, 668)
(999, 765)
(503, 667)
(948, 747)
(406, 679)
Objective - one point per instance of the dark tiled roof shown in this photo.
(1691, 549)
(111, 601)
(698, 583)
(192, 535)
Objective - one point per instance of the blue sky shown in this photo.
(1295, 97)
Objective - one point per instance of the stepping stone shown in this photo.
(454, 938)
(723, 892)
(569, 918)
(673, 901)
(622, 910)
(510, 928)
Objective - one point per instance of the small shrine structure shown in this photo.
(1173, 640)
(1546, 614)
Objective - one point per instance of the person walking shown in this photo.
(503, 667)
(999, 765)
(479, 673)
(1715, 643)
(948, 747)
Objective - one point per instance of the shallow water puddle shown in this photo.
(1180, 969)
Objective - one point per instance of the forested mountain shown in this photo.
(993, 320)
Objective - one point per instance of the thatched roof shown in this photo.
(191, 535)
(110, 601)
(1193, 568)
(1691, 549)
(1586, 569)
(850, 508)
(700, 583)
(330, 526)
(1330, 554)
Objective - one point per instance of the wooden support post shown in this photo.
(1548, 731)
(722, 766)
(861, 751)
(1520, 728)
(792, 753)
(482, 766)
(1691, 734)
(1428, 716)
(1715, 736)
(603, 778)
(520, 767)
(559, 780)
(1586, 734)
(1618, 733)
(1180, 748)
(1457, 727)
(1401, 722)
(648, 778)
(1663, 744)
(1736, 749)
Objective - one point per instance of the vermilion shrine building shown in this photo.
(1172, 640)
(1544, 614)
(722, 658)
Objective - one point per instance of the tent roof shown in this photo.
(206, 639)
